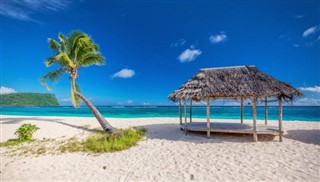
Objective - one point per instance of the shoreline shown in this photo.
(166, 153)
(204, 118)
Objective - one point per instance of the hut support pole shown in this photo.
(241, 110)
(185, 112)
(266, 111)
(180, 111)
(280, 118)
(208, 117)
(190, 110)
(185, 116)
(254, 108)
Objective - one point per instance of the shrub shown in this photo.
(100, 142)
(26, 131)
(121, 140)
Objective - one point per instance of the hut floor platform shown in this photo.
(230, 128)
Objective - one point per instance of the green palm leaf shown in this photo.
(54, 45)
(65, 60)
(91, 58)
(74, 98)
(50, 61)
(64, 39)
(53, 76)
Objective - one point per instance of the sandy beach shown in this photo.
(167, 154)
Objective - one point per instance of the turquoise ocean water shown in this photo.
(310, 113)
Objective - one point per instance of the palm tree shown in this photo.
(70, 53)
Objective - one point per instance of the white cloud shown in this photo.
(178, 43)
(311, 89)
(65, 100)
(310, 31)
(129, 101)
(6, 90)
(296, 45)
(215, 39)
(299, 16)
(189, 55)
(307, 102)
(124, 73)
(23, 9)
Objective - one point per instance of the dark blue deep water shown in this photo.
(310, 113)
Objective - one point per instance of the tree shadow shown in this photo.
(59, 121)
(19, 120)
(305, 136)
(172, 132)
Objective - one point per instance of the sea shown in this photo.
(290, 113)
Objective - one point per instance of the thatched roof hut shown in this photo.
(238, 82)
(233, 82)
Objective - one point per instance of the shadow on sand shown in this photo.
(172, 132)
(59, 121)
(305, 136)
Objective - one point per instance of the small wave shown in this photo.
(118, 107)
(145, 107)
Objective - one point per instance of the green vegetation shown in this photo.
(28, 99)
(123, 139)
(100, 142)
(97, 142)
(86, 126)
(26, 131)
(11, 142)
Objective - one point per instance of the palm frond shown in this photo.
(91, 58)
(74, 98)
(80, 44)
(63, 39)
(74, 43)
(65, 60)
(53, 76)
(50, 61)
(54, 45)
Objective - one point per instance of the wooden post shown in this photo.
(190, 110)
(241, 110)
(280, 118)
(180, 111)
(185, 116)
(185, 112)
(208, 117)
(254, 108)
(266, 111)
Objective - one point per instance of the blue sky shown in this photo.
(151, 48)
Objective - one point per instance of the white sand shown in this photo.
(167, 154)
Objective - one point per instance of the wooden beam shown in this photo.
(208, 117)
(190, 110)
(254, 109)
(180, 111)
(241, 110)
(280, 118)
(266, 110)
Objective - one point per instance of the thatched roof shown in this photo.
(233, 82)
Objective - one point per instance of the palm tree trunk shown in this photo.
(103, 122)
